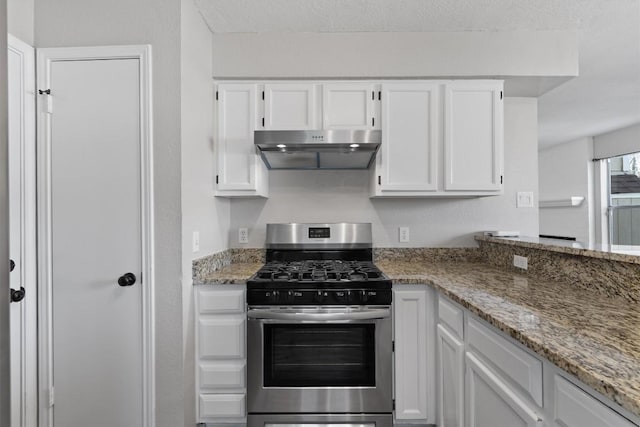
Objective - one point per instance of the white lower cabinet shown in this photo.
(493, 403)
(485, 379)
(450, 378)
(220, 354)
(414, 357)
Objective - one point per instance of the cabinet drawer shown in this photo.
(221, 406)
(516, 364)
(216, 301)
(575, 408)
(222, 337)
(222, 375)
(450, 315)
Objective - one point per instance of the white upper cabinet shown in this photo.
(290, 106)
(407, 163)
(473, 133)
(349, 106)
(241, 172)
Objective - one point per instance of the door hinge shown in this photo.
(216, 179)
(263, 122)
(393, 346)
(379, 180)
(500, 94)
(394, 404)
(263, 95)
(51, 397)
(379, 96)
(500, 179)
(373, 122)
(373, 95)
(216, 95)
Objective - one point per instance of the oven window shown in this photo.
(306, 355)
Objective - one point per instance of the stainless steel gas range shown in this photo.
(319, 330)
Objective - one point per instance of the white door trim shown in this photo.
(27, 270)
(44, 59)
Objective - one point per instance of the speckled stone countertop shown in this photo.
(593, 337)
(630, 254)
(230, 274)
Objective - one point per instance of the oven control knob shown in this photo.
(363, 297)
(320, 296)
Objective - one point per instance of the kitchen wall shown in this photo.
(5, 392)
(618, 142)
(201, 211)
(318, 196)
(20, 16)
(157, 22)
(395, 54)
(567, 170)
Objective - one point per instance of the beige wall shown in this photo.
(20, 14)
(319, 196)
(567, 170)
(200, 210)
(118, 22)
(391, 55)
(5, 403)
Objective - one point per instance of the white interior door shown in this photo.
(96, 367)
(23, 339)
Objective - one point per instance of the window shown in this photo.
(624, 199)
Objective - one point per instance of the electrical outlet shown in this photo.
(521, 262)
(243, 235)
(196, 241)
(403, 234)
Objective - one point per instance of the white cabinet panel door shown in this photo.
(290, 106)
(408, 158)
(348, 106)
(575, 408)
(451, 379)
(239, 166)
(473, 136)
(222, 337)
(216, 407)
(491, 403)
(411, 358)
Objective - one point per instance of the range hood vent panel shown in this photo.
(330, 149)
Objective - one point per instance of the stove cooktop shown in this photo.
(319, 271)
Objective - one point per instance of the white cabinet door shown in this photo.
(451, 379)
(240, 170)
(415, 398)
(491, 403)
(575, 408)
(290, 106)
(348, 106)
(220, 353)
(473, 133)
(408, 160)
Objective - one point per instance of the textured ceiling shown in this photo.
(604, 97)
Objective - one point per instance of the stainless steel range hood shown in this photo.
(318, 149)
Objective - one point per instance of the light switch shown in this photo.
(524, 199)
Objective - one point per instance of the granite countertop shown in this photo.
(593, 337)
(630, 254)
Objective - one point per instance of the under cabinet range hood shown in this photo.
(318, 149)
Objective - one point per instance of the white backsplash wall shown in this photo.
(335, 196)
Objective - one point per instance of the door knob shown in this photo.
(17, 296)
(127, 279)
(12, 265)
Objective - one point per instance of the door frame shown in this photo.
(45, 57)
(27, 400)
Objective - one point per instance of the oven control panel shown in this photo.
(285, 297)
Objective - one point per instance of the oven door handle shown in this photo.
(369, 314)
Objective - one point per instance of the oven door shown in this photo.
(319, 360)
